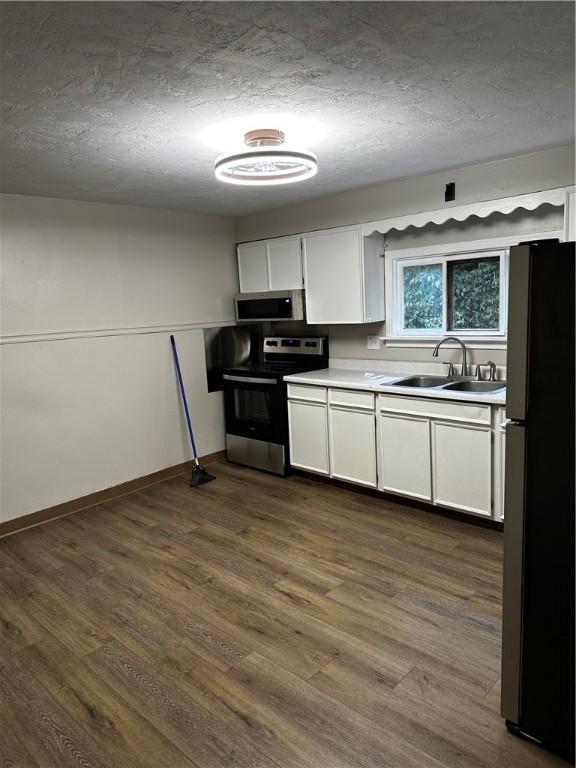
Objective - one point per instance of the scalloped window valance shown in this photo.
(529, 202)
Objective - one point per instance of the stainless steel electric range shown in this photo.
(256, 405)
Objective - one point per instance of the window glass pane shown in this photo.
(423, 296)
(474, 294)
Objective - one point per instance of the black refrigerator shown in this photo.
(538, 608)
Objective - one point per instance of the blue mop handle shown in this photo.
(183, 393)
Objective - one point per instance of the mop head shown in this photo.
(200, 476)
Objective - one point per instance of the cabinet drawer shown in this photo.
(306, 392)
(352, 398)
(441, 409)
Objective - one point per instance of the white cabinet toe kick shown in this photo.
(447, 453)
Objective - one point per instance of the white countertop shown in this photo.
(383, 382)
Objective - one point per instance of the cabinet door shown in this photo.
(253, 267)
(333, 276)
(285, 263)
(462, 467)
(308, 430)
(352, 445)
(404, 455)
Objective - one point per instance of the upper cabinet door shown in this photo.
(333, 276)
(270, 265)
(285, 263)
(253, 267)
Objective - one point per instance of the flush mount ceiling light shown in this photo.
(266, 161)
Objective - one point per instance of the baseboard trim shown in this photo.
(99, 497)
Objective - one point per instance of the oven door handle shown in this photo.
(248, 379)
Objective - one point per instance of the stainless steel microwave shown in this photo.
(270, 305)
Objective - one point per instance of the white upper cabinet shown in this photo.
(343, 276)
(284, 263)
(270, 265)
(253, 267)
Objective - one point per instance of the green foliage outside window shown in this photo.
(474, 294)
(423, 296)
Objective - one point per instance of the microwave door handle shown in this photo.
(248, 379)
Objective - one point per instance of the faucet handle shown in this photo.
(450, 368)
(478, 373)
(492, 367)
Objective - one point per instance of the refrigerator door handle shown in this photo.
(518, 332)
(514, 506)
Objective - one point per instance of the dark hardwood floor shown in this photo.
(254, 622)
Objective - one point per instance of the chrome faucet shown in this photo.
(491, 370)
(453, 338)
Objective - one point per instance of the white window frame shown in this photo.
(400, 263)
(397, 336)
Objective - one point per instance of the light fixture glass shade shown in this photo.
(266, 163)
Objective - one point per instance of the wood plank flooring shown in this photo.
(255, 622)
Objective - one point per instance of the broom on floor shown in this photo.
(199, 475)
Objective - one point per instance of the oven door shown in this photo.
(254, 407)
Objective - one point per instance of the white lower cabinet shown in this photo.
(499, 464)
(462, 467)
(502, 440)
(308, 431)
(445, 452)
(352, 445)
(404, 455)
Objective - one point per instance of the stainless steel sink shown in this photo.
(475, 386)
(422, 381)
(448, 383)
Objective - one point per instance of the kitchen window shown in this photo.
(459, 293)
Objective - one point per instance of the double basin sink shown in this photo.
(450, 384)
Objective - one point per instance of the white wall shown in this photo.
(350, 341)
(546, 169)
(90, 295)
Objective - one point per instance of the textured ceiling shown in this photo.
(108, 101)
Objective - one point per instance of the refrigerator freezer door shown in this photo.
(518, 330)
(515, 495)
